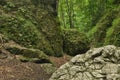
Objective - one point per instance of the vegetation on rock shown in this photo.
(113, 34)
(106, 30)
(36, 25)
(43, 30)
(74, 42)
(31, 29)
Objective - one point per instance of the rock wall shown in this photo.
(32, 23)
(106, 31)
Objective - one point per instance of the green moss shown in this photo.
(25, 33)
(104, 28)
(53, 33)
(113, 34)
(91, 32)
(28, 54)
(35, 55)
(30, 27)
(75, 42)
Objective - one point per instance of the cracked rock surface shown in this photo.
(97, 64)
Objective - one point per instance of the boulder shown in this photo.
(74, 42)
(97, 64)
(27, 54)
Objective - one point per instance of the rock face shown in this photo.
(32, 24)
(74, 42)
(13, 55)
(26, 54)
(97, 64)
(106, 31)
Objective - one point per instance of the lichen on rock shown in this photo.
(97, 64)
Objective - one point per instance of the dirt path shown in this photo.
(61, 60)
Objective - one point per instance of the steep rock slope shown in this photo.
(32, 23)
(106, 30)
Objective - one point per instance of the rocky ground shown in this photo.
(16, 64)
(16, 70)
(11, 68)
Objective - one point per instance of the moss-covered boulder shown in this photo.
(27, 54)
(74, 42)
(33, 25)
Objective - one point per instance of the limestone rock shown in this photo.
(97, 64)
(48, 68)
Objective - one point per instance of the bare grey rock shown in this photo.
(97, 64)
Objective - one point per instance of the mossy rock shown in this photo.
(25, 33)
(53, 33)
(31, 26)
(74, 42)
(27, 54)
(113, 33)
(104, 28)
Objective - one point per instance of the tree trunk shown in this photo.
(70, 8)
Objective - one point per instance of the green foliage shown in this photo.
(8, 6)
(85, 13)
(91, 32)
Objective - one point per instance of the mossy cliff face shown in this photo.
(107, 29)
(113, 33)
(32, 24)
